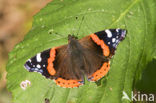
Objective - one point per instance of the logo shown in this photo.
(138, 96)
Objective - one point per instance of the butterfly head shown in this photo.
(71, 37)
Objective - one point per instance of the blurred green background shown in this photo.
(15, 21)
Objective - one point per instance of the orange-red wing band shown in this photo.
(51, 59)
(101, 72)
(68, 83)
(105, 48)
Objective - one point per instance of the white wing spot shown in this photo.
(117, 30)
(109, 34)
(25, 84)
(36, 69)
(38, 66)
(29, 60)
(108, 42)
(38, 57)
(113, 40)
(117, 41)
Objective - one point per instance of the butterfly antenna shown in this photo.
(80, 26)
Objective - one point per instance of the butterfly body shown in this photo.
(69, 64)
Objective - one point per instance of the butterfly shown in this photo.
(88, 57)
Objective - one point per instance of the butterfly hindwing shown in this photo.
(67, 74)
(96, 63)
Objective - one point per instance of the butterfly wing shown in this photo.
(58, 64)
(67, 66)
(99, 48)
(94, 60)
(39, 63)
(108, 40)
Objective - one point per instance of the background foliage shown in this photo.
(15, 21)
(51, 27)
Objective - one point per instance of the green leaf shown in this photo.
(147, 82)
(51, 27)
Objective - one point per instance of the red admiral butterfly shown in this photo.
(69, 64)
